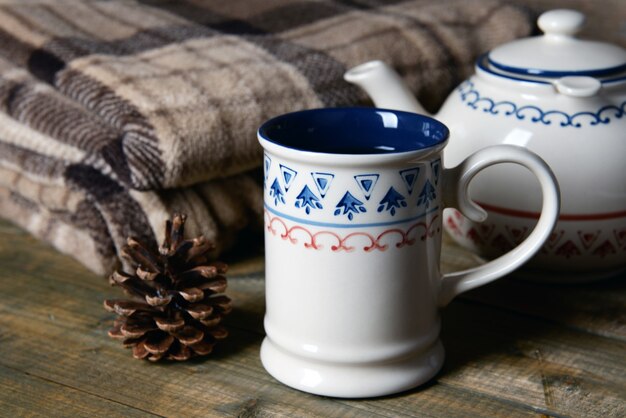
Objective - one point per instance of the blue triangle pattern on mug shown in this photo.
(366, 183)
(288, 176)
(322, 182)
(392, 201)
(409, 176)
(435, 166)
(349, 205)
(308, 200)
(276, 192)
(428, 194)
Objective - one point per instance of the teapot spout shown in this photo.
(384, 86)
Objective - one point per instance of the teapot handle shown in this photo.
(455, 189)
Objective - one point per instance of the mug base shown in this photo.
(345, 380)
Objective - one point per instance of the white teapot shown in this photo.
(561, 97)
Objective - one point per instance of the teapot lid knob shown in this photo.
(561, 22)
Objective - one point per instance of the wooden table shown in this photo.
(513, 349)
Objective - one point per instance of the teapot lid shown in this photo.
(558, 53)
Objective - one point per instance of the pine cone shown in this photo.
(176, 308)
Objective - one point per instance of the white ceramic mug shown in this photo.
(353, 208)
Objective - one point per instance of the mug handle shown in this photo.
(455, 194)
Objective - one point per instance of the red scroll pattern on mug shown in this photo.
(316, 239)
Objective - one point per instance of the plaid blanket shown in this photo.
(114, 113)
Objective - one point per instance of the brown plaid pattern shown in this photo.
(115, 113)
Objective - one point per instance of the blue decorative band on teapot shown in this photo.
(475, 100)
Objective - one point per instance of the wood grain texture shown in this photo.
(514, 349)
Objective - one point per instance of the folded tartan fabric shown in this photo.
(89, 216)
(113, 114)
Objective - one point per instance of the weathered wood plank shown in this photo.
(598, 308)
(523, 359)
(26, 395)
(228, 383)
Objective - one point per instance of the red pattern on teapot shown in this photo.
(585, 242)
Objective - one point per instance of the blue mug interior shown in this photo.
(354, 131)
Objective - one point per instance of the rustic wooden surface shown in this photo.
(513, 349)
